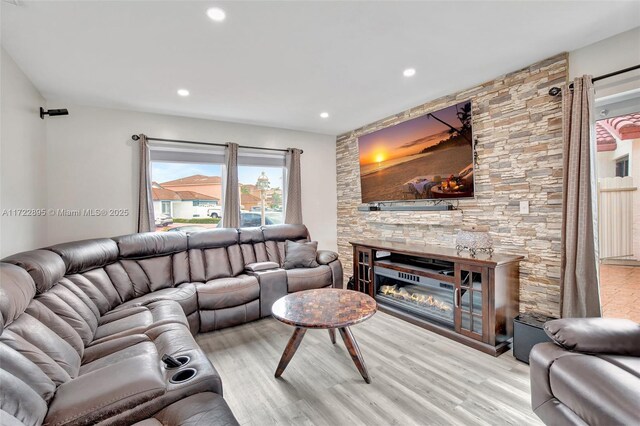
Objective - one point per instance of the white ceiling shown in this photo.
(282, 63)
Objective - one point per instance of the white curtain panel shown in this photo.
(146, 221)
(580, 294)
(231, 201)
(293, 207)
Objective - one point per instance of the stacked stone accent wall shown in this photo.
(519, 146)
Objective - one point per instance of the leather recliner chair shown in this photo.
(84, 325)
(589, 375)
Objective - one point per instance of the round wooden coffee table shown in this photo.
(328, 308)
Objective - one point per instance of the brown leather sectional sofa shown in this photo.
(590, 375)
(84, 325)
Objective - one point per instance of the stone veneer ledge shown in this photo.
(518, 127)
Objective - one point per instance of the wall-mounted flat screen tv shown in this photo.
(427, 157)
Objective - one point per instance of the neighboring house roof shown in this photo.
(192, 195)
(621, 128)
(194, 180)
(605, 142)
(163, 194)
(250, 187)
(249, 199)
(624, 127)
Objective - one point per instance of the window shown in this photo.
(187, 195)
(166, 208)
(622, 166)
(188, 186)
(261, 191)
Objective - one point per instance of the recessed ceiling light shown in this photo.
(183, 92)
(216, 14)
(409, 72)
(324, 115)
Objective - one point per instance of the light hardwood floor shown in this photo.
(417, 378)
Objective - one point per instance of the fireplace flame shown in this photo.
(420, 299)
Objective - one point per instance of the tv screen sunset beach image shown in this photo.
(430, 156)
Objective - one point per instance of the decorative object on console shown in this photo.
(474, 240)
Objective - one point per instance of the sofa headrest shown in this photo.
(149, 244)
(285, 232)
(81, 256)
(251, 235)
(45, 267)
(212, 238)
(16, 292)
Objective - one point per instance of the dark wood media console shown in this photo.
(472, 300)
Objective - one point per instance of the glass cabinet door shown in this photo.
(470, 301)
(363, 272)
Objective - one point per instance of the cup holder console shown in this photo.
(183, 375)
(172, 363)
(183, 360)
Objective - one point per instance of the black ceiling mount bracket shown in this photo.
(53, 112)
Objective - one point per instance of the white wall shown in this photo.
(93, 164)
(22, 159)
(611, 54)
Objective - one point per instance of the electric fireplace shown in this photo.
(421, 296)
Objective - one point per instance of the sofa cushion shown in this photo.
(97, 395)
(19, 403)
(42, 345)
(308, 278)
(45, 267)
(98, 287)
(151, 244)
(106, 357)
(81, 256)
(285, 232)
(138, 319)
(184, 295)
(250, 235)
(300, 255)
(599, 392)
(326, 256)
(227, 292)
(205, 408)
(213, 238)
(596, 335)
(19, 366)
(216, 319)
(16, 292)
(631, 364)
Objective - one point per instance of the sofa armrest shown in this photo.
(541, 358)
(596, 335)
(261, 266)
(273, 286)
(325, 257)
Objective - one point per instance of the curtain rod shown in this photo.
(136, 137)
(555, 91)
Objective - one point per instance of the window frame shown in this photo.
(624, 163)
(172, 152)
